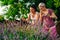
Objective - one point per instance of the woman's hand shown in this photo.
(48, 15)
(53, 15)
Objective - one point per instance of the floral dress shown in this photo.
(48, 24)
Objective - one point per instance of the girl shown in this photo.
(33, 17)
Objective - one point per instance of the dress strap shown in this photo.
(50, 11)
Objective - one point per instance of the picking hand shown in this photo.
(23, 19)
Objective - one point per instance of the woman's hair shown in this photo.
(41, 4)
(34, 6)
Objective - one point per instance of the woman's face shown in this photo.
(42, 7)
(32, 10)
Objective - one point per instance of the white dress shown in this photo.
(33, 19)
(35, 26)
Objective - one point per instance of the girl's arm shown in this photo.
(37, 19)
(26, 19)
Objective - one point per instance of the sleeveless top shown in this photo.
(47, 20)
(33, 19)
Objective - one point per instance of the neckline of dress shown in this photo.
(47, 12)
(33, 14)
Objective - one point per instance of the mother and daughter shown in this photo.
(43, 20)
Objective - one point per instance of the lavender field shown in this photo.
(18, 30)
(14, 30)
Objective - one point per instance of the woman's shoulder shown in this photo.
(50, 11)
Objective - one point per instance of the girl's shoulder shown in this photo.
(29, 14)
(37, 13)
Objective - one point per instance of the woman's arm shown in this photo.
(41, 19)
(53, 15)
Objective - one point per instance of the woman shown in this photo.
(46, 17)
(33, 17)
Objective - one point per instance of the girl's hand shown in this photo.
(23, 19)
(49, 30)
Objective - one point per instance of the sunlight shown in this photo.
(4, 9)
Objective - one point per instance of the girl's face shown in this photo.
(32, 10)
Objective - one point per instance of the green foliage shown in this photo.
(21, 7)
(1, 18)
(49, 3)
(12, 11)
(57, 3)
(6, 2)
(11, 36)
(57, 8)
